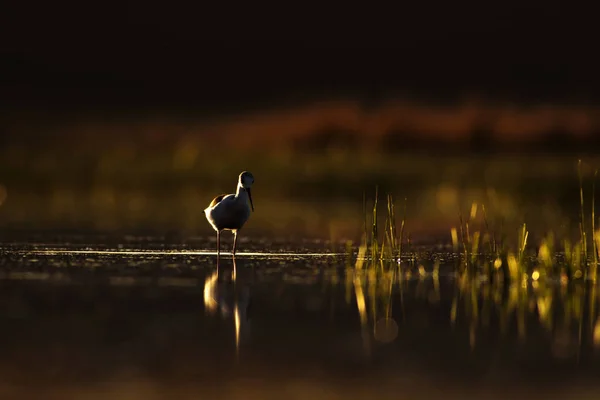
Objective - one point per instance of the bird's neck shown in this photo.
(240, 191)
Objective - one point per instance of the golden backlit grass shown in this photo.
(513, 258)
(510, 280)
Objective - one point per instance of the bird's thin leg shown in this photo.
(218, 245)
(234, 242)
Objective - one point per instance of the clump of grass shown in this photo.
(523, 235)
(386, 246)
(475, 249)
(593, 271)
(390, 229)
(372, 281)
(374, 230)
(489, 234)
(520, 288)
(577, 257)
(464, 229)
(482, 249)
(582, 212)
(593, 276)
(478, 245)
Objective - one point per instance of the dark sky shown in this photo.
(99, 54)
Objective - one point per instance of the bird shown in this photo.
(231, 211)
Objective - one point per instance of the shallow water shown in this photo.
(134, 318)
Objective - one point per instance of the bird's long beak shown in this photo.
(250, 197)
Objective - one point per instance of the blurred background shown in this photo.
(132, 117)
(121, 121)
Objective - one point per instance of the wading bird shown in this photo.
(231, 211)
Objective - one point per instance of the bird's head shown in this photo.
(246, 181)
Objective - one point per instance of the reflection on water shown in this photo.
(228, 298)
(159, 324)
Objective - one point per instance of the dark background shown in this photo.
(428, 100)
(128, 55)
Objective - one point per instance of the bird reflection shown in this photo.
(226, 296)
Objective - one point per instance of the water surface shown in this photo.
(136, 318)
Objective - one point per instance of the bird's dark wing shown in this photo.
(217, 200)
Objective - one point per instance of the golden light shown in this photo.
(236, 314)
(497, 263)
(360, 300)
(209, 290)
(513, 265)
(535, 275)
(362, 310)
(544, 254)
(454, 234)
(473, 210)
(544, 305)
(597, 333)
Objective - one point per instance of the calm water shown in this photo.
(132, 318)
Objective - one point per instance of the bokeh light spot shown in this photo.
(386, 330)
